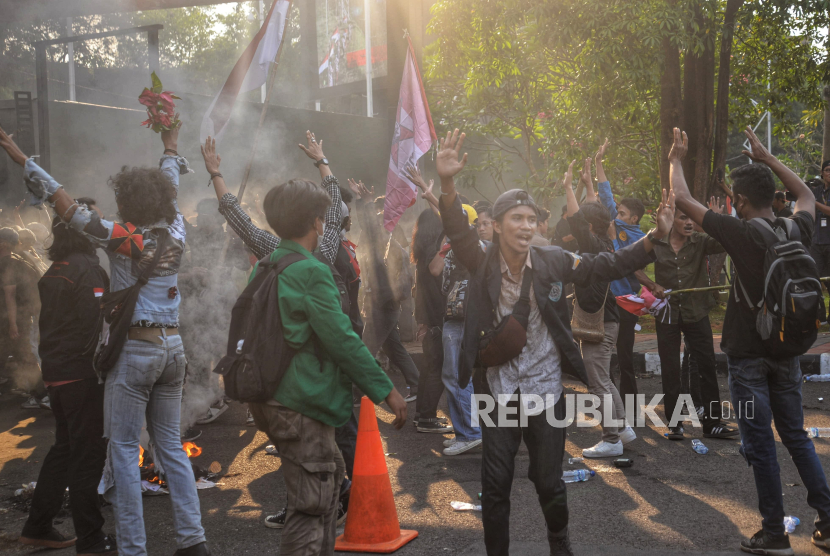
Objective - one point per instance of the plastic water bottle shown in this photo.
(818, 432)
(699, 447)
(575, 460)
(578, 475)
(790, 523)
(817, 378)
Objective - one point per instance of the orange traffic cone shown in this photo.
(372, 522)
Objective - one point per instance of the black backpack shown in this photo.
(257, 355)
(788, 315)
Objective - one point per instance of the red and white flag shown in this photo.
(249, 72)
(414, 134)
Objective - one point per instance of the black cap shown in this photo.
(513, 198)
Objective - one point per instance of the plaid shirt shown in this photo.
(263, 243)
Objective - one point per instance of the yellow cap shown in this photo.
(472, 215)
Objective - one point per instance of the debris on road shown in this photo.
(464, 506)
(699, 447)
(790, 523)
(578, 475)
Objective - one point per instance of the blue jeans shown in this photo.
(146, 383)
(457, 398)
(774, 387)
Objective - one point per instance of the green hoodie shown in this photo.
(310, 305)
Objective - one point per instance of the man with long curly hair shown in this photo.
(148, 376)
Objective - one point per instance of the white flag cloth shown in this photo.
(249, 72)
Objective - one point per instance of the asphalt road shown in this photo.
(672, 500)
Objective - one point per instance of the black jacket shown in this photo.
(70, 297)
(552, 269)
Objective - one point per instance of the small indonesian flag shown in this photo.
(98, 291)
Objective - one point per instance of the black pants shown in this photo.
(821, 254)
(625, 354)
(546, 447)
(690, 375)
(346, 439)
(76, 460)
(699, 342)
(382, 331)
(430, 385)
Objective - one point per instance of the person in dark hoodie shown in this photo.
(70, 291)
(511, 275)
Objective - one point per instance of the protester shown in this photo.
(146, 382)
(484, 226)
(331, 248)
(495, 288)
(681, 264)
(387, 270)
(540, 238)
(626, 216)
(589, 224)
(820, 248)
(314, 396)
(18, 307)
(429, 315)
(562, 236)
(70, 292)
(780, 206)
(772, 385)
(27, 248)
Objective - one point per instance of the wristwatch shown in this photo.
(321, 161)
(650, 236)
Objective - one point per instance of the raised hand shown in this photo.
(447, 162)
(757, 151)
(568, 180)
(212, 160)
(314, 151)
(601, 152)
(170, 138)
(680, 146)
(585, 176)
(413, 174)
(665, 214)
(11, 147)
(360, 190)
(716, 205)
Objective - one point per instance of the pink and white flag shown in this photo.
(249, 72)
(414, 134)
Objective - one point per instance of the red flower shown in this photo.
(161, 110)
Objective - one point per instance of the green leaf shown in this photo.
(157, 88)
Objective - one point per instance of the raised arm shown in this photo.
(573, 204)
(330, 242)
(804, 198)
(683, 197)
(606, 196)
(588, 181)
(414, 175)
(260, 242)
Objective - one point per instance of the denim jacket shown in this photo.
(129, 247)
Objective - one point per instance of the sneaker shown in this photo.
(700, 411)
(628, 435)
(461, 446)
(341, 514)
(200, 549)
(276, 521)
(675, 433)
(433, 425)
(449, 442)
(560, 543)
(761, 544)
(104, 547)
(442, 420)
(249, 420)
(31, 403)
(272, 450)
(53, 539)
(44, 403)
(410, 397)
(190, 435)
(604, 450)
(213, 414)
(819, 539)
(721, 430)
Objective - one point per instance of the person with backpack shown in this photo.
(517, 339)
(70, 291)
(771, 318)
(18, 306)
(141, 354)
(314, 394)
(332, 249)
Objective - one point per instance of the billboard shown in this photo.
(341, 40)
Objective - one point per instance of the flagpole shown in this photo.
(271, 78)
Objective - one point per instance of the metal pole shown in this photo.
(153, 50)
(70, 55)
(262, 90)
(769, 113)
(41, 70)
(367, 8)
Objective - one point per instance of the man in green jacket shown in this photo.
(315, 395)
